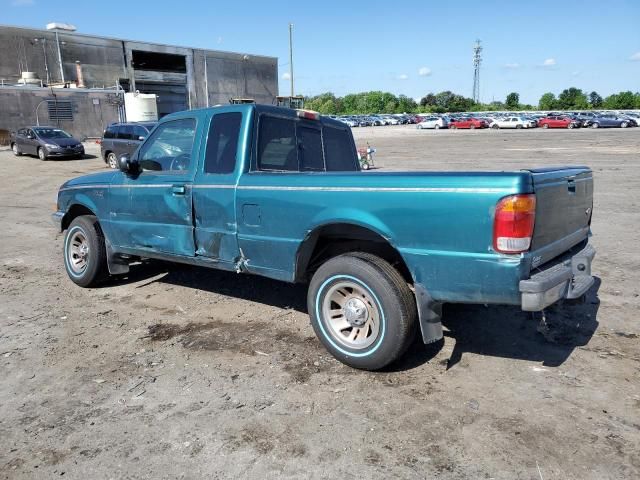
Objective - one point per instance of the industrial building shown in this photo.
(77, 81)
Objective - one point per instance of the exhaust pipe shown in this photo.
(79, 75)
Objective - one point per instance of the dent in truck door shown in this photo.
(153, 210)
(215, 187)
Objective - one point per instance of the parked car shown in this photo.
(377, 271)
(470, 122)
(611, 121)
(433, 122)
(46, 142)
(558, 121)
(121, 138)
(511, 122)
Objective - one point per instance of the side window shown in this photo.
(311, 157)
(110, 132)
(277, 149)
(169, 147)
(138, 132)
(339, 152)
(125, 132)
(222, 143)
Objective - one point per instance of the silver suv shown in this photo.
(121, 138)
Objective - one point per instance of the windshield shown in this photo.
(51, 133)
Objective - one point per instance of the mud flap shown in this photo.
(429, 314)
(117, 265)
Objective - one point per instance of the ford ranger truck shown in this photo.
(278, 192)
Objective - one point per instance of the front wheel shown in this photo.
(362, 310)
(518, 127)
(85, 256)
(16, 150)
(624, 125)
(42, 154)
(495, 126)
(452, 127)
(570, 125)
(437, 127)
(472, 127)
(595, 125)
(546, 125)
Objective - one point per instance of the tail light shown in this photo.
(513, 223)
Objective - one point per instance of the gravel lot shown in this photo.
(178, 372)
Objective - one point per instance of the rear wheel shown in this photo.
(518, 127)
(595, 125)
(546, 125)
(112, 160)
(495, 126)
(85, 256)
(571, 125)
(624, 125)
(16, 150)
(437, 127)
(41, 154)
(452, 127)
(472, 127)
(362, 310)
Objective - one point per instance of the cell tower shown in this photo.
(477, 60)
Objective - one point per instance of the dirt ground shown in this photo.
(178, 372)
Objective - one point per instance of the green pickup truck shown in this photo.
(279, 192)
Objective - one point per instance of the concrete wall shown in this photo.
(92, 110)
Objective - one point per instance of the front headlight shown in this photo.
(51, 145)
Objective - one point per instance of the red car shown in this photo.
(471, 123)
(559, 121)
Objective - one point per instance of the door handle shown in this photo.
(178, 190)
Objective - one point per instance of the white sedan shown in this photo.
(433, 122)
(511, 122)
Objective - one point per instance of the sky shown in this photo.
(404, 47)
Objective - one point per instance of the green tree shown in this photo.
(595, 100)
(547, 101)
(513, 101)
(429, 100)
(626, 100)
(571, 98)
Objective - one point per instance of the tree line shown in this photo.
(447, 101)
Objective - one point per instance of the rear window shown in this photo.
(311, 156)
(110, 132)
(339, 153)
(277, 148)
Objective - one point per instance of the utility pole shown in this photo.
(477, 60)
(291, 56)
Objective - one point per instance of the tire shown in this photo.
(366, 166)
(16, 150)
(112, 160)
(495, 126)
(624, 125)
(595, 125)
(518, 127)
(382, 309)
(452, 127)
(41, 154)
(546, 125)
(570, 125)
(85, 255)
(437, 127)
(472, 127)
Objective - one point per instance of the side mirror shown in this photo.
(127, 164)
(30, 137)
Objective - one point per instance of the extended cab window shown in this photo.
(339, 152)
(277, 149)
(169, 147)
(222, 143)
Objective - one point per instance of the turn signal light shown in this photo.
(513, 223)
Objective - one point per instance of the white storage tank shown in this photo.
(141, 107)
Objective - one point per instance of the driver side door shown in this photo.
(152, 211)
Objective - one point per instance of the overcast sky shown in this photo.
(410, 48)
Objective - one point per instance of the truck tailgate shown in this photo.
(564, 202)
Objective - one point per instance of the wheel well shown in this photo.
(74, 212)
(332, 240)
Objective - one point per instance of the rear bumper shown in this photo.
(568, 278)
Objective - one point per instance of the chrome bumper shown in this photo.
(569, 278)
